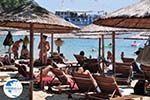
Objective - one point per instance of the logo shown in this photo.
(13, 88)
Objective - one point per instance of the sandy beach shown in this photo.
(43, 95)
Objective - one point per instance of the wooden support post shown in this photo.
(41, 48)
(113, 51)
(99, 53)
(31, 63)
(42, 60)
(103, 51)
(52, 43)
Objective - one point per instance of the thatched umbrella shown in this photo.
(100, 32)
(41, 19)
(133, 16)
(36, 19)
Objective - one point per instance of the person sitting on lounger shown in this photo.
(82, 71)
(6, 60)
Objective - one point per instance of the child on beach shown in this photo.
(15, 48)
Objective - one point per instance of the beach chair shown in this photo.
(65, 80)
(108, 87)
(123, 73)
(84, 82)
(25, 76)
(136, 70)
(92, 65)
(58, 59)
(146, 70)
(80, 59)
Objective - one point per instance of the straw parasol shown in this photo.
(133, 16)
(36, 19)
(92, 28)
(101, 32)
(42, 20)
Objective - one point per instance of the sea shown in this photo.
(73, 46)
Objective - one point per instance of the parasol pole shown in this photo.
(52, 43)
(113, 51)
(103, 52)
(41, 48)
(31, 63)
(42, 60)
(99, 52)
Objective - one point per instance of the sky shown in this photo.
(84, 5)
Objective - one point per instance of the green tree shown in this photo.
(7, 5)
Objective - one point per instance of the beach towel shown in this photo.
(8, 40)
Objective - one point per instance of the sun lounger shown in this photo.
(66, 83)
(84, 82)
(8, 68)
(80, 59)
(108, 87)
(25, 76)
(92, 65)
(123, 73)
(146, 70)
(137, 73)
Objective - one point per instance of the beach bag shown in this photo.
(145, 60)
(8, 40)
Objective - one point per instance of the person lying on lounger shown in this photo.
(6, 60)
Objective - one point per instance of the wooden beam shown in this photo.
(31, 62)
(52, 43)
(99, 52)
(103, 52)
(113, 50)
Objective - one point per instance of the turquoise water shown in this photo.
(74, 46)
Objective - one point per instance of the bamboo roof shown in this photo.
(133, 16)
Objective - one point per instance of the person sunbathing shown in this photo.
(6, 60)
(82, 71)
(46, 78)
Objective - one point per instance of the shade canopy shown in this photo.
(92, 28)
(133, 16)
(95, 31)
(41, 19)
